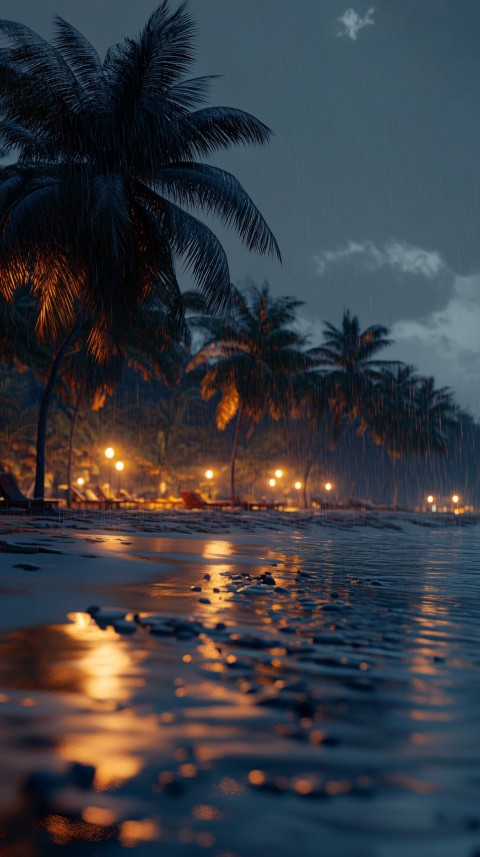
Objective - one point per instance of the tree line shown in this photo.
(103, 204)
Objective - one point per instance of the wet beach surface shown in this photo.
(298, 693)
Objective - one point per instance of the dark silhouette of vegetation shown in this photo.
(95, 212)
(253, 361)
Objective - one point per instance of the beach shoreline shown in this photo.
(223, 691)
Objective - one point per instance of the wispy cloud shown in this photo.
(352, 22)
(397, 255)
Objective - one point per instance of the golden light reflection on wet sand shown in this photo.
(115, 742)
(109, 666)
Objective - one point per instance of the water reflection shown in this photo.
(354, 678)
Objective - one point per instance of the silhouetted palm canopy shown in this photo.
(435, 414)
(96, 212)
(254, 358)
(409, 416)
(392, 415)
(349, 355)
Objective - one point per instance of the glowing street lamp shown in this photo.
(209, 476)
(80, 481)
(455, 498)
(279, 473)
(298, 485)
(272, 483)
(328, 486)
(109, 454)
(430, 499)
(119, 467)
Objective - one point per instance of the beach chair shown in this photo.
(194, 500)
(107, 497)
(130, 499)
(13, 498)
(263, 506)
(87, 499)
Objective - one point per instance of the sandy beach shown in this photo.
(231, 685)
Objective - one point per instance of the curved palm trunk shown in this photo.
(306, 474)
(39, 490)
(233, 456)
(73, 426)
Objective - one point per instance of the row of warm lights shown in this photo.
(272, 482)
(431, 498)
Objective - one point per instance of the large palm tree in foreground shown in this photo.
(253, 361)
(96, 211)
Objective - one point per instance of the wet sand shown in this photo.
(247, 687)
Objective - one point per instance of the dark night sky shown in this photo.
(371, 184)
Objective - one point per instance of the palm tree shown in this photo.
(348, 353)
(411, 417)
(95, 212)
(252, 360)
(435, 414)
(392, 418)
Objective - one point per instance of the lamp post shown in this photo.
(455, 500)
(119, 467)
(272, 482)
(109, 454)
(209, 476)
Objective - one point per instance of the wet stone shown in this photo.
(27, 566)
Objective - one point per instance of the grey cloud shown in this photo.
(352, 22)
(397, 255)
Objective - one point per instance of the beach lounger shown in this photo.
(107, 497)
(194, 500)
(13, 498)
(89, 500)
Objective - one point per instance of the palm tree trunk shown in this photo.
(306, 474)
(356, 478)
(73, 426)
(395, 486)
(39, 490)
(233, 456)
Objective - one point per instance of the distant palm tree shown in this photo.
(393, 419)
(95, 211)
(253, 361)
(348, 353)
(435, 414)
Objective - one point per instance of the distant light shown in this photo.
(109, 452)
(80, 480)
(279, 474)
(328, 486)
(430, 498)
(272, 483)
(455, 498)
(298, 485)
(209, 474)
(119, 465)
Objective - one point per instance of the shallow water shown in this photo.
(336, 713)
